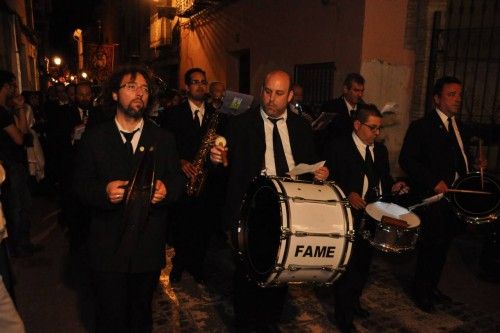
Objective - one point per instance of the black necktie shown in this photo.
(459, 158)
(279, 152)
(128, 140)
(196, 120)
(352, 114)
(371, 174)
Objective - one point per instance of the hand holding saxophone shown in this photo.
(116, 190)
(189, 169)
(218, 152)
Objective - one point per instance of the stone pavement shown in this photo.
(53, 293)
(190, 307)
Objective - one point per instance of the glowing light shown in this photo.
(57, 61)
(84, 75)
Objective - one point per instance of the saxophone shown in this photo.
(195, 185)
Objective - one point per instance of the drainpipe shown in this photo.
(16, 50)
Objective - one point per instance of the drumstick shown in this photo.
(481, 169)
(468, 191)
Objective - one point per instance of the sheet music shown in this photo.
(303, 168)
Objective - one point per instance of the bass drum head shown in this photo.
(476, 208)
(260, 228)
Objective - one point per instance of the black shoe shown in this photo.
(347, 328)
(200, 278)
(21, 252)
(175, 275)
(424, 303)
(439, 297)
(360, 312)
(34, 247)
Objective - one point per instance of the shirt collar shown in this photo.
(349, 107)
(194, 107)
(359, 142)
(138, 127)
(265, 116)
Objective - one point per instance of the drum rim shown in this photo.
(474, 218)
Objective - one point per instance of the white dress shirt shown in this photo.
(270, 167)
(137, 135)
(444, 119)
(201, 110)
(362, 150)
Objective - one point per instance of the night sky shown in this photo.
(67, 16)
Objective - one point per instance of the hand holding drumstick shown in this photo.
(218, 153)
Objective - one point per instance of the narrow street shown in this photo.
(53, 292)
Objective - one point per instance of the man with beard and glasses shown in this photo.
(196, 217)
(124, 279)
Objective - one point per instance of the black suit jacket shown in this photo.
(103, 158)
(179, 121)
(341, 125)
(427, 156)
(246, 150)
(346, 165)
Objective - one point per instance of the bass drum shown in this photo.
(476, 208)
(294, 232)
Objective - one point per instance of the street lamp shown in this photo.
(57, 61)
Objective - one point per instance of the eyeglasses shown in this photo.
(133, 86)
(199, 82)
(373, 128)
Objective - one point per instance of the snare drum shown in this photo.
(476, 208)
(387, 237)
(294, 232)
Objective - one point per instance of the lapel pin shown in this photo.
(141, 149)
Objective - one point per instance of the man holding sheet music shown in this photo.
(265, 140)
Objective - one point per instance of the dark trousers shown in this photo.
(438, 227)
(349, 287)
(254, 305)
(16, 205)
(124, 301)
(192, 230)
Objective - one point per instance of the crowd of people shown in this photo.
(94, 150)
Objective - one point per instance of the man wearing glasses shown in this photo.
(196, 216)
(125, 274)
(361, 168)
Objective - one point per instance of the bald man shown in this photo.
(251, 153)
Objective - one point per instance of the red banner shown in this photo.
(99, 61)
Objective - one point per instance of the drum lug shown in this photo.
(279, 269)
(285, 233)
(366, 234)
(293, 268)
(351, 235)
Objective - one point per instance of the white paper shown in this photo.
(77, 135)
(303, 168)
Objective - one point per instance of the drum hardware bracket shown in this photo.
(285, 233)
(294, 268)
(351, 235)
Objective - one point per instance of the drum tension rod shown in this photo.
(301, 199)
(286, 233)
